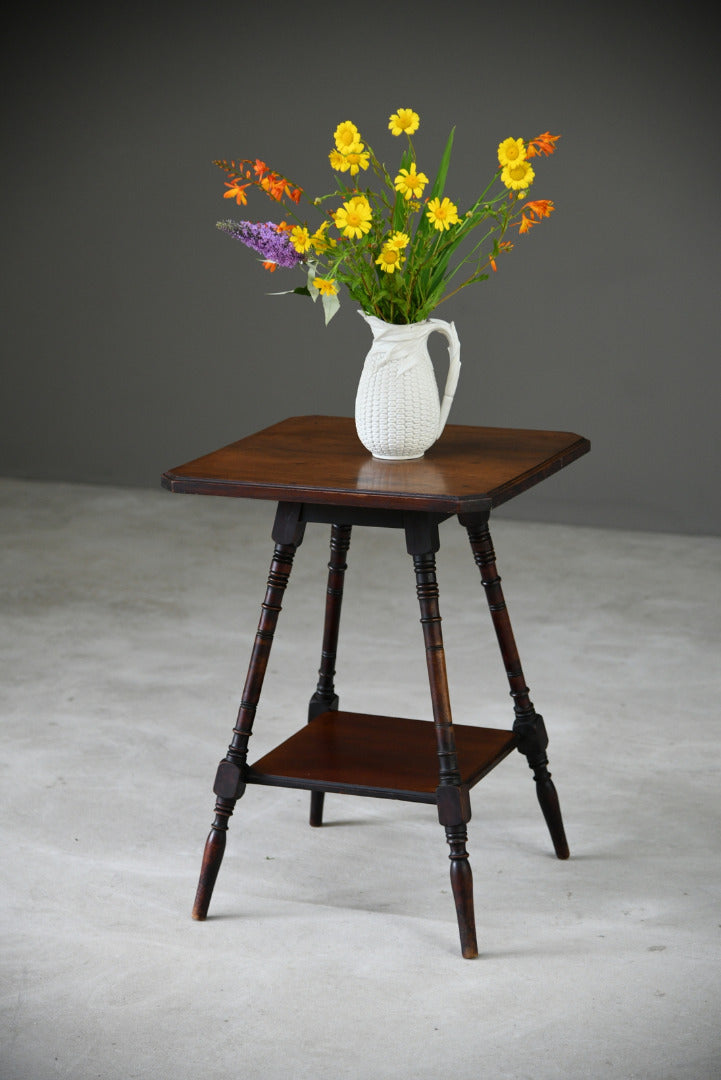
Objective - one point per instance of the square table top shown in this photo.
(319, 459)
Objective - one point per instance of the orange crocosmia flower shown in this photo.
(541, 207)
(276, 186)
(533, 212)
(270, 266)
(283, 226)
(268, 185)
(237, 191)
(542, 144)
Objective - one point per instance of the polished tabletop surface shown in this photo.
(319, 459)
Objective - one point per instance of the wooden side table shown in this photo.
(315, 468)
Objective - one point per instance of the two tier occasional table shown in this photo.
(317, 471)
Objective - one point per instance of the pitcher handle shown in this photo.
(454, 367)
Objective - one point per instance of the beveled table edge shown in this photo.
(481, 502)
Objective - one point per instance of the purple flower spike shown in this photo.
(264, 238)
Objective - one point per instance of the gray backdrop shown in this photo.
(136, 336)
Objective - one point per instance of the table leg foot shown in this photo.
(318, 705)
(551, 808)
(532, 742)
(462, 885)
(212, 858)
(316, 808)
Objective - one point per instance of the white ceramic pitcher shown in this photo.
(398, 412)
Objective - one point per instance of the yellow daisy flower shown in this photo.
(399, 240)
(354, 218)
(511, 151)
(326, 286)
(390, 259)
(354, 159)
(518, 176)
(404, 120)
(337, 160)
(346, 134)
(320, 241)
(442, 214)
(300, 239)
(410, 183)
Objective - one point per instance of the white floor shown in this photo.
(333, 953)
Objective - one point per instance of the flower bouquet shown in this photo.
(399, 249)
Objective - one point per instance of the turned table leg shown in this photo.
(454, 809)
(528, 724)
(230, 778)
(325, 697)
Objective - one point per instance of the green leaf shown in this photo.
(440, 181)
(313, 293)
(303, 290)
(399, 209)
(330, 306)
(300, 291)
(424, 225)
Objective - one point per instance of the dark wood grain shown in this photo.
(325, 697)
(319, 459)
(454, 807)
(383, 756)
(528, 725)
(230, 777)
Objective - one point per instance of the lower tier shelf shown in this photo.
(386, 757)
